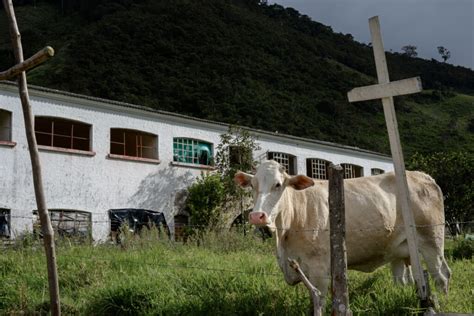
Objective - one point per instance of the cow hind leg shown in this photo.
(446, 271)
(437, 266)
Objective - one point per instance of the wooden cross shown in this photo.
(386, 90)
(18, 71)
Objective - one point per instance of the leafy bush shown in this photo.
(205, 200)
(463, 249)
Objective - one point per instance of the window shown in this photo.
(67, 223)
(5, 228)
(376, 171)
(5, 126)
(240, 156)
(286, 160)
(193, 151)
(62, 133)
(317, 168)
(131, 143)
(352, 171)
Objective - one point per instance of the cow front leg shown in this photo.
(398, 271)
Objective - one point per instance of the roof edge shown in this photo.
(183, 117)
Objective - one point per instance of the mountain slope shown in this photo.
(242, 63)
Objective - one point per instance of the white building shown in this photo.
(99, 154)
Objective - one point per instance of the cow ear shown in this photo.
(300, 182)
(243, 179)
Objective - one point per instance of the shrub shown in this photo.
(205, 200)
(463, 249)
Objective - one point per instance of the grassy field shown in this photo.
(225, 275)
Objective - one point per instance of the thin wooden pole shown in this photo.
(315, 294)
(337, 228)
(403, 198)
(47, 229)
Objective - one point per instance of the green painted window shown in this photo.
(193, 151)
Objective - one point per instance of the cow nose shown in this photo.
(258, 218)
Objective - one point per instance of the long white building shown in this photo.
(100, 154)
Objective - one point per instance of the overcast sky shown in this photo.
(423, 23)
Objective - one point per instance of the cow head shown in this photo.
(268, 185)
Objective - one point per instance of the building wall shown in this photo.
(97, 183)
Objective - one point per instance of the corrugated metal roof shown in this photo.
(191, 119)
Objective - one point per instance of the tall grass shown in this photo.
(224, 274)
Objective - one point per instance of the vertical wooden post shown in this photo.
(48, 234)
(337, 227)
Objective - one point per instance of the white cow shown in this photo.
(296, 207)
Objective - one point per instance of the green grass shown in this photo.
(225, 275)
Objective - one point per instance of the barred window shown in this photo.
(62, 133)
(317, 168)
(67, 223)
(192, 151)
(5, 126)
(352, 171)
(376, 171)
(286, 160)
(132, 143)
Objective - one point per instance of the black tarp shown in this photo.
(136, 219)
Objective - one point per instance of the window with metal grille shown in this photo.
(132, 143)
(352, 171)
(376, 171)
(67, 223)
(62, 133)
(5, 126)
(5, 227)
(317, 168)
(286, 160)
(192, 151)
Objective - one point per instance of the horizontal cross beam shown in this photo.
(33, 61)
(385, 90)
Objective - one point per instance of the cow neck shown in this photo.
(290, 216)
(295, 215)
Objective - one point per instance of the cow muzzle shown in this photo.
(258, 218)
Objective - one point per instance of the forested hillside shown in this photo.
(240, 62)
